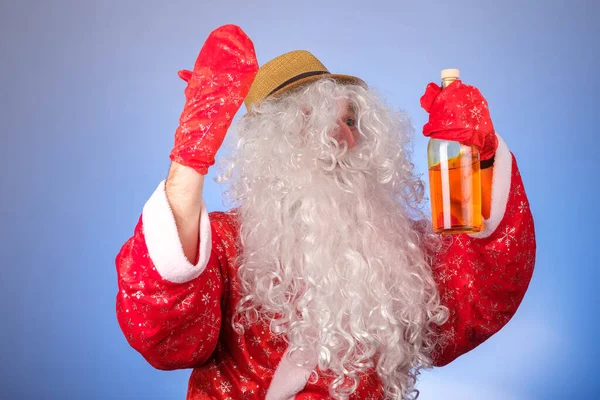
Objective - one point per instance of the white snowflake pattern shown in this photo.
(169, 345)
(237, 99)
(225, 387)
(522, 207)
(448, 337)
(444, 276)
(470, 280)
(457, 261)
(185, 303)
(508, 235)
(458, 240)
(267, 352)
(518, 190)
(212, 81)
(476, 113)
(138, 294)
(478, 266)
(446, 124)
(160, 296)
(471, 97)
(126, 263)
(211, 336)
(447, 296)
(205, 129)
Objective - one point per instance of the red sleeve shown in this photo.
(173, 325)
(483, 280)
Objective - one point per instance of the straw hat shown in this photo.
(289, 71)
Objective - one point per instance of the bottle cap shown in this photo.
(450, 73)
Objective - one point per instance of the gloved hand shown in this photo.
(221, 79)
(459, 113)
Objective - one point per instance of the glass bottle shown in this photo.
(454, 181)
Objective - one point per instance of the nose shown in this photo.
(344, 134)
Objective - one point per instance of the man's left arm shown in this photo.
(483, 277)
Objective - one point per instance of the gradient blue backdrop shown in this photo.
(90, 101)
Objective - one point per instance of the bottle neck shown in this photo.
(447, 81)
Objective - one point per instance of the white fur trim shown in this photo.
(500, 189)
(289, 379)
(162, 239)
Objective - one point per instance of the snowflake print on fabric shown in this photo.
(211, 97)
(188, 325)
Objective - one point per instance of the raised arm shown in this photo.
(184, 193)
(482, 278)
(222, 75)
(170, 283)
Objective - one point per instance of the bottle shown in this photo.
(454, 181)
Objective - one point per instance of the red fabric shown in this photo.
(481, 281)
(221, 79)
(459, 113)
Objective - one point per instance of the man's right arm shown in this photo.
(170, 282)
(184, 194)
(168, 307)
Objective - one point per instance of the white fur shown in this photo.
(162, 239)
(330, 254)
(290, 378)
(500, 189)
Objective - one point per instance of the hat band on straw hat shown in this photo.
(297, 78)
(289, 71)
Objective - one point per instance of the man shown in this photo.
(324, 280)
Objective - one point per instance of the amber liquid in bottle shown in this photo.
(455, 189)
(455, 182)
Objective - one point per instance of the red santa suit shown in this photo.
(178, 315)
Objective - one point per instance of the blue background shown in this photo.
(89, 103)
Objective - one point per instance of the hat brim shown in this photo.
(343, 79)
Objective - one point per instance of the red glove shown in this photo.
(223, 73)
(459, 113)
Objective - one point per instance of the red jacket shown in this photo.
(178, 315)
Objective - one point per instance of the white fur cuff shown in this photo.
(289, 378)
(500, 189)
(164, 245)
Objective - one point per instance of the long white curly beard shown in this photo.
(330, 253)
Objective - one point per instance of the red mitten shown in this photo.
(221, 79)
(459, 113)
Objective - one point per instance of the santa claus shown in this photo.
(325, 278)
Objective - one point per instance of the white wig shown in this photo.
(330, 253)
